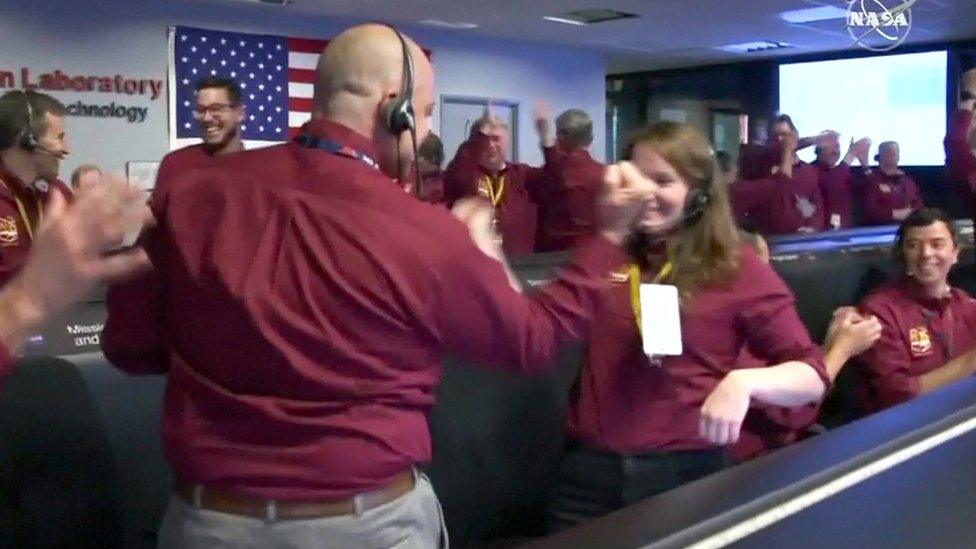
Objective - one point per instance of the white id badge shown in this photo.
(835, 221)
(660, 320)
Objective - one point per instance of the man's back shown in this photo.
(303, 301)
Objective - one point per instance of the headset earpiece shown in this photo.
(28, 140)
(399, 114)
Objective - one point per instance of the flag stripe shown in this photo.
(300, 104)
(296, 119)
(297, 89)
(304, 76)
(307, 45)
(298, 60)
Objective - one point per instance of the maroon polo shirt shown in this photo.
(960, 162)
(918, 335)
(885, 193)
(302, 304)
(625, 404)
(567, 198)
(15, 230)
(517, 214)
(835, 187)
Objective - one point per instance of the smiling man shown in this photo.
(220, 113)
(928, 338)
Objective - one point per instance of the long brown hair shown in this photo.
(705, 249)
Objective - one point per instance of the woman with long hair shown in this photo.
(640, 425)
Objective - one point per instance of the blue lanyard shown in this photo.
(338, 149)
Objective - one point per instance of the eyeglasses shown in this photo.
(215, 109)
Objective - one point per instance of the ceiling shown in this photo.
(669, 33)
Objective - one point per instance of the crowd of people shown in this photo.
(300, 302)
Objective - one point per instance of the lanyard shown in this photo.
(635, 283)
(338, 149)
(23, 210)
(494, 193)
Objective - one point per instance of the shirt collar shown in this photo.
(326, 129)
(916, 292)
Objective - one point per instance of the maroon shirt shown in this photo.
(960, 162)
(307, 303)
(885, 193)
(836, 187)
(567, 198)
(516, 213)
(771, 205)
(625, 404)
(918, 335)
(15, 233)
(187, 158)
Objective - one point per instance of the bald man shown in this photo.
(301, 305)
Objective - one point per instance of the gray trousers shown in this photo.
(412, 521)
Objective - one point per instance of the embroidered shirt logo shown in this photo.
(8, 231)
(921, 342)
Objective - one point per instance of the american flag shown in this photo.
(276, 75)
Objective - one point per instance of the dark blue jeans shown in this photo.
(593, 483)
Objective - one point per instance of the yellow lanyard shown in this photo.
(635, 284)
(494, 193)
(23, 211)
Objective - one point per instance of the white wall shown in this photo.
(108, 37)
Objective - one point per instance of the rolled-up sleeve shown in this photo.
(773, 329)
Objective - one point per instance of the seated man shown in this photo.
(928, 335)
(889, 193)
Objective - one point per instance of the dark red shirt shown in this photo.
(307, 303)
(516, 211)
(885, 193)
(187, 158)
(21, 211)
(567, 198)
(775, 204)
(625, 404)
(836, 186)
(918, 335)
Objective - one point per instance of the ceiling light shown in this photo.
(589, 17)
(753, 47)
(811, 15)
(449, 24)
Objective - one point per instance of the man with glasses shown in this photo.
(220, 113)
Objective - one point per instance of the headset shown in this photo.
(398, 113)
(28, 139)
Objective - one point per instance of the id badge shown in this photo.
(660, 320)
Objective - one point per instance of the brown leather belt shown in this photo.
(215, 499)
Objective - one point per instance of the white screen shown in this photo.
(888, 98)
